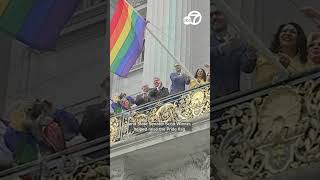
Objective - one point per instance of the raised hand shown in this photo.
(284, 59)
(252, 52)
(310, 12)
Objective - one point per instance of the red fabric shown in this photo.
(116, 16)
(53, 136)
(117, 23)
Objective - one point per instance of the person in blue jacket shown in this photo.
(229, 56)
(179, 80)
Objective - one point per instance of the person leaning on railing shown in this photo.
(122, 103)
(179, 80)
(144, 97)
(200, 79)
(158, 91)
(290, 45)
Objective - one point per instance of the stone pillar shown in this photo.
(166, 18)
(5, 46)
(200, 37)
(19, 69)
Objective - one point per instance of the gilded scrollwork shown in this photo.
(114, 129)
(95, 171)
(185, 107)
(269, 134)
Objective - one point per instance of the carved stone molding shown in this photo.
(270, 134)
(197, 168)
(77, 170)
(116, 173)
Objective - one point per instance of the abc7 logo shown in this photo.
(193, 18)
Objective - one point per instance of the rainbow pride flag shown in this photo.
(126, 38)
(37, 23)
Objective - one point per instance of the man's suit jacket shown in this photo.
(142, 100)
(155, 94)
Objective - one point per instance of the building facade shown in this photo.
(271, 132)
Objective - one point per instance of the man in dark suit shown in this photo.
(158, 91)
(229, 56)
(144, 97)
(178, 80)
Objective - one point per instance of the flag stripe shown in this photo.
(126, 40)
(37, 23)
(133, 54)
(117, 15)
(3, 6)
(129, 59)
(125, 47)
(58, 16)
(36, 18)
(124, 34)
(120, 25)
(15, 14)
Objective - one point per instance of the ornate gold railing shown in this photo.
(260, 135)
(88, 160)
(180, 107)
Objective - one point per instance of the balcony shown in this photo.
(161, 151)
(273, 131)
(86, 160)
(186, 107)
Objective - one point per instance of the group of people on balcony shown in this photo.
(179, 82)
(230, 55)
(35, 128)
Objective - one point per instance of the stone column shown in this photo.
(19, 69)
(166, 19)
(5, 46)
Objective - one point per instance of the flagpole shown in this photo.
(29, 57)
(167, 50)
(173, 56)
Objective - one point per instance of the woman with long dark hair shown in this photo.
(201, 78)
(290, 44)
